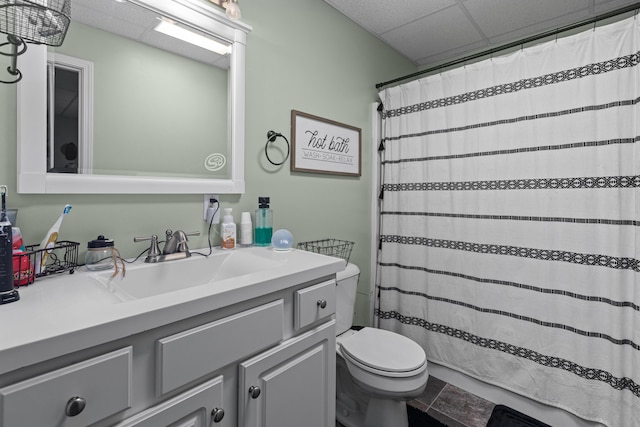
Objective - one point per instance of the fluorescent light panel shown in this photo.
(188, 36)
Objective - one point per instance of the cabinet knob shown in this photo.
(75, 405)
(322, 303)
(254, 391)
(217, 415)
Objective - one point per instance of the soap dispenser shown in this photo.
(264, 223)
(228, 230)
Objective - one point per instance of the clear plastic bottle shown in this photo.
(264, 223)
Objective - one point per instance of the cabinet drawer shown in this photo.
(191, 354)
(103, 383)
(200, 406)
(314, 303)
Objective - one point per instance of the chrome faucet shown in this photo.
(175, 246)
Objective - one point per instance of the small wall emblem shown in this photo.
(215, 162)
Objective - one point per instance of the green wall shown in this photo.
(302, 55)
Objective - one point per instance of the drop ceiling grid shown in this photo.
(435, 34)
(429, 32)
(527, 17)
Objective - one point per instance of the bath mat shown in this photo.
(503, 416)
(417, 418)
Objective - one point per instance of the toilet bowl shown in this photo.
(377, 370)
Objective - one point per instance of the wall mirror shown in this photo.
(161, 116)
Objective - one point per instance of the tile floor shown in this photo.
(452, 405)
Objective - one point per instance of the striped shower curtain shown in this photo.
(509, 221)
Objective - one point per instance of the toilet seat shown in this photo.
(384, 353)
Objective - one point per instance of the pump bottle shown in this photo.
(264, 223)
(228, 230)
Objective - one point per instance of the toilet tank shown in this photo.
(347, 285)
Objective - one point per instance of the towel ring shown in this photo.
(271, 137)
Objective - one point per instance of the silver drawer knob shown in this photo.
(217, 415)
(322, 303)
(75, 406)
(254, 391)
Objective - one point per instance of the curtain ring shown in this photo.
(271, 137)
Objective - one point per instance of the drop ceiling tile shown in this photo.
(443, 31)
(519, 15)
(604, 6)
(379, 16)
(538, 28)
(125, 19)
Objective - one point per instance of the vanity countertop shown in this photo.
(70, 312)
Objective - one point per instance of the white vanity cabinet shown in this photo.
(268, 361)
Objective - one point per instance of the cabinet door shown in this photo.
(201, 406)
(291, 385)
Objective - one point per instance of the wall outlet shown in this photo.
(211, 208)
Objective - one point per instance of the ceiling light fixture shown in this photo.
(35, 21)
(172, 29)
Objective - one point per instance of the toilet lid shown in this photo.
(384, 350)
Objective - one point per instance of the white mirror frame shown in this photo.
(32, 112)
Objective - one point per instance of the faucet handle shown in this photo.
(182, 244)
(182, 239)
(154, 250)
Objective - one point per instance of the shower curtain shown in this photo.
(509, 239)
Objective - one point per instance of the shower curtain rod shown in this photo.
(523, 41)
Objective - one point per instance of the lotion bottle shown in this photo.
(228, 230)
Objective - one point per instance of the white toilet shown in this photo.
(378, 371)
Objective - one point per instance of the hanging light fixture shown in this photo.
(34, 21)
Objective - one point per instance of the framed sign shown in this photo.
(324, 146)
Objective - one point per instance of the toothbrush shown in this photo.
(50, 240)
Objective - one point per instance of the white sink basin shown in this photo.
(146, 280)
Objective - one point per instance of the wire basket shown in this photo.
(332, 247)
(62, 257)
